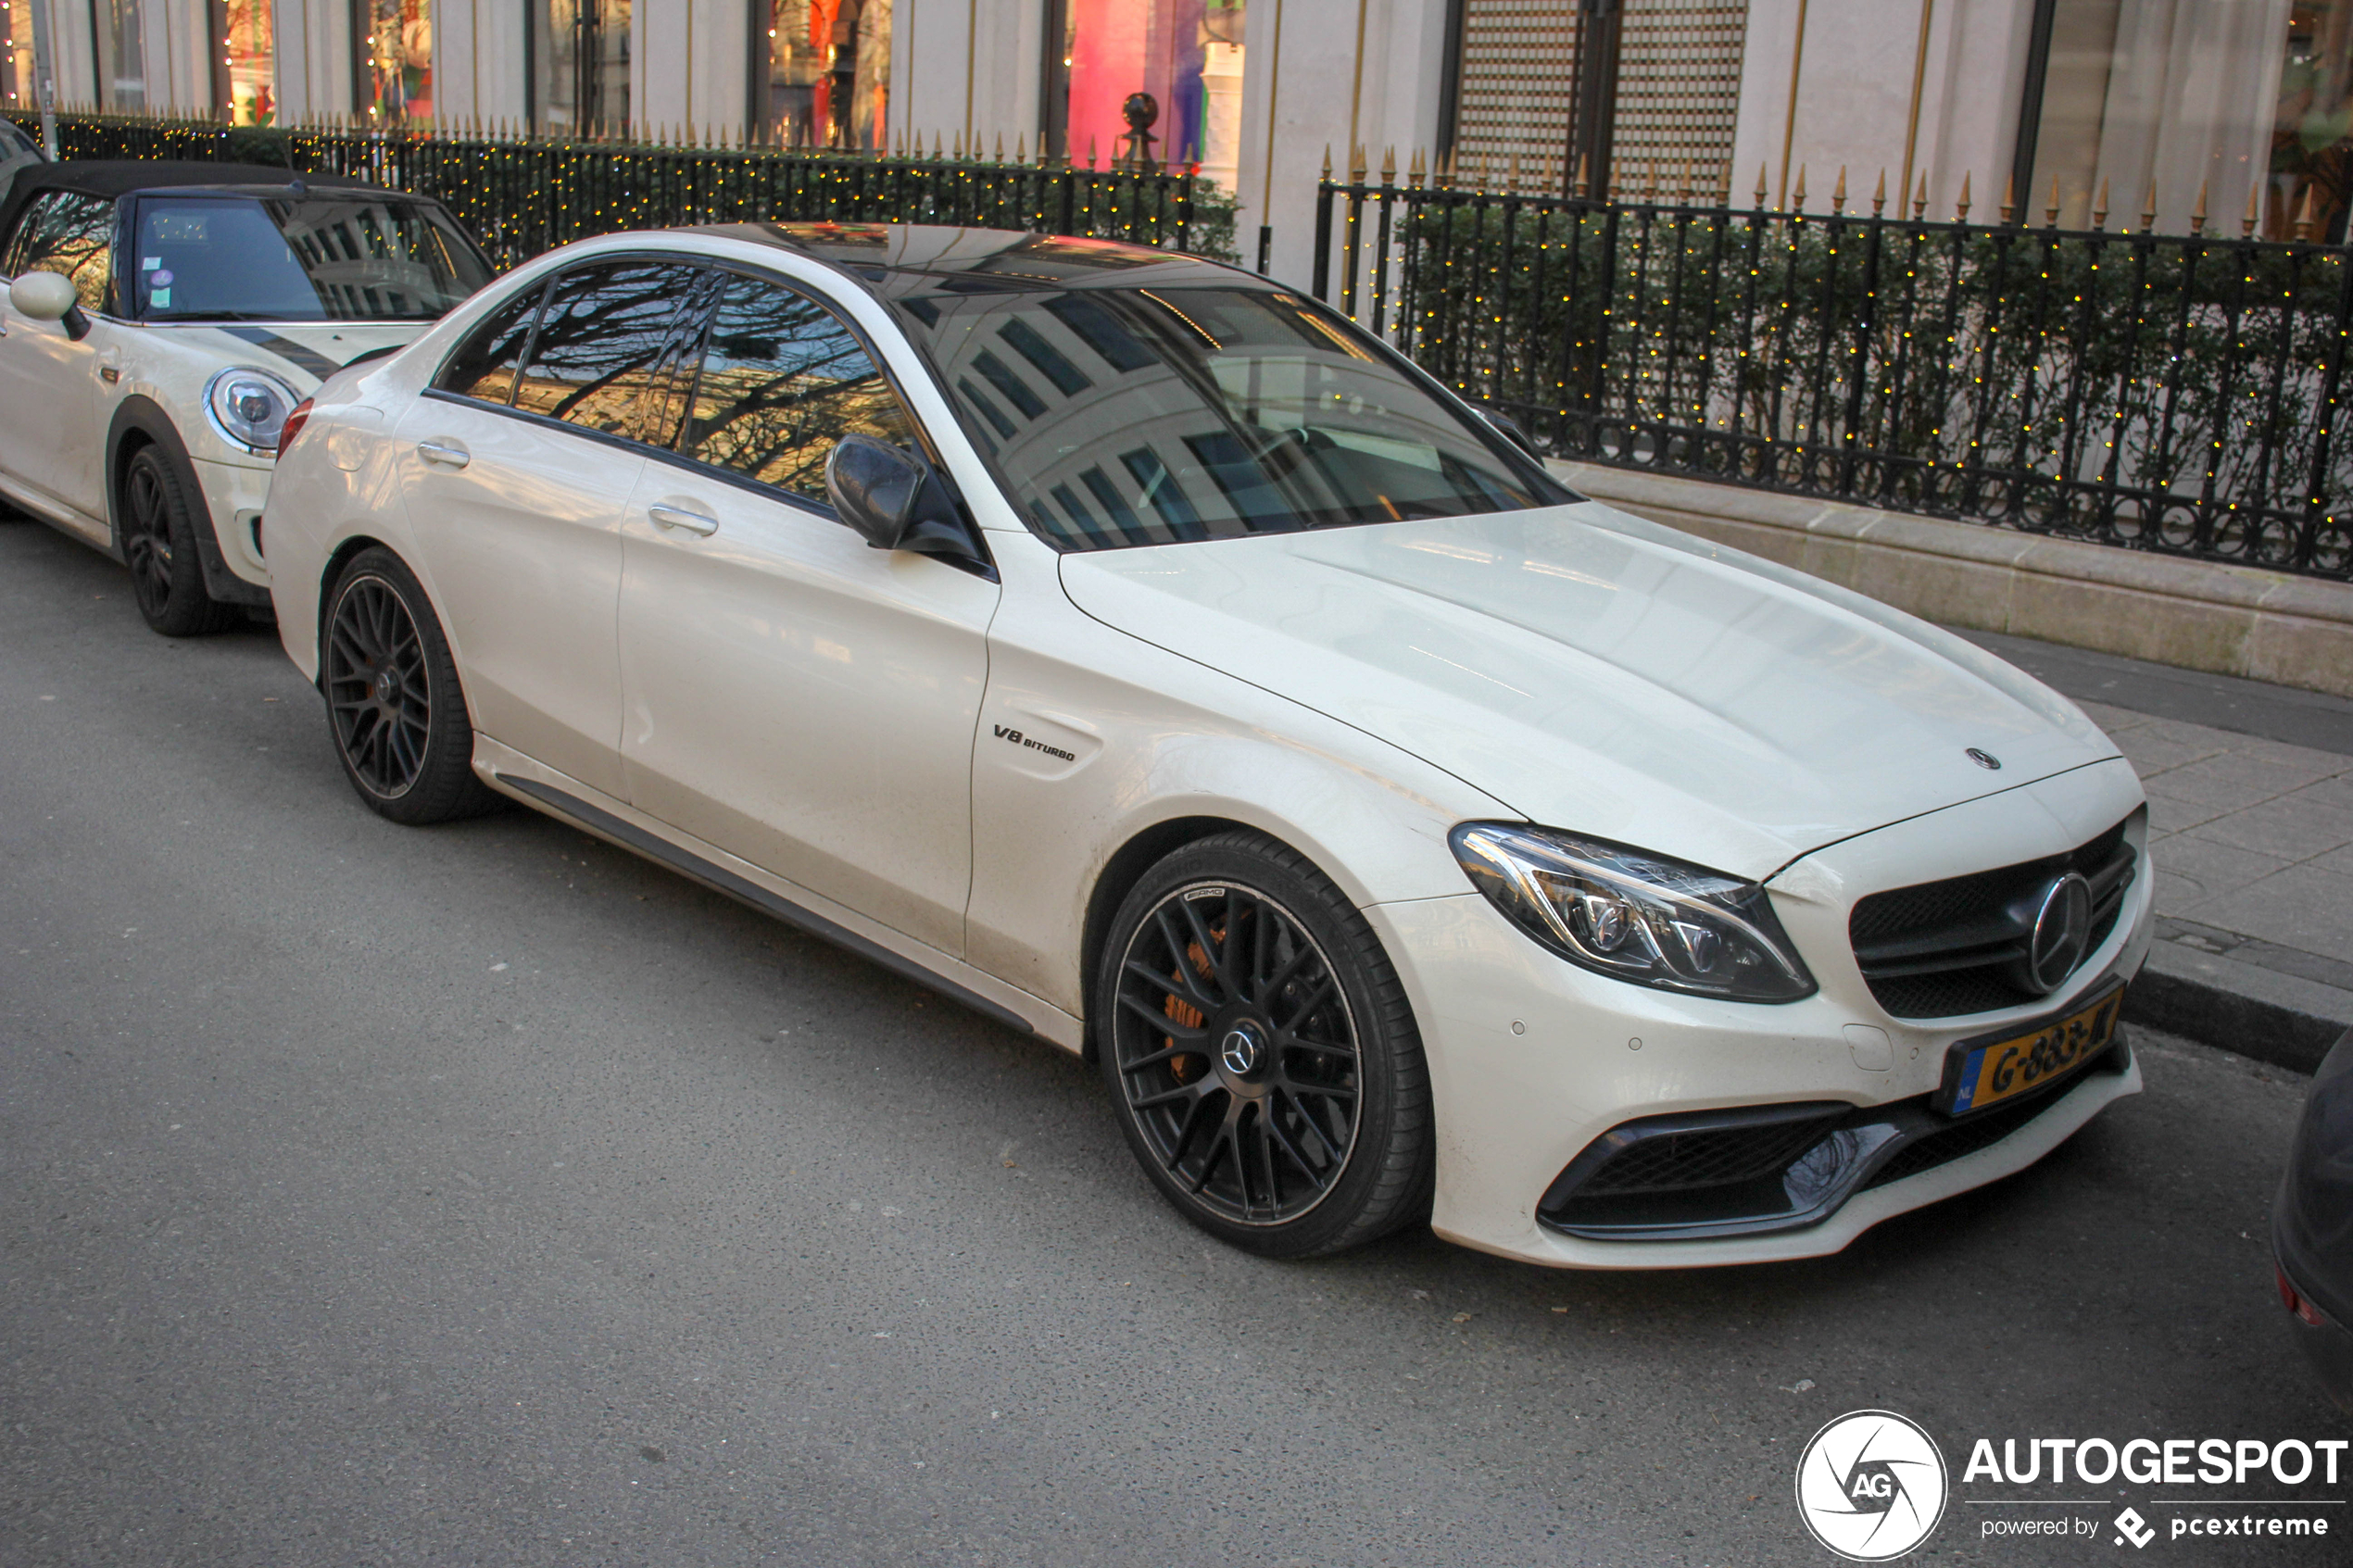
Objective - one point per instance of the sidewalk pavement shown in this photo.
(2252, 832)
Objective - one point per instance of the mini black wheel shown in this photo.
(1262, 1053)
(394, 701)
(157, 529)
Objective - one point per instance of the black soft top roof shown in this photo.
(112, 178)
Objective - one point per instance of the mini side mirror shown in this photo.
(1510, 427)
(895, 501)
(50, 296)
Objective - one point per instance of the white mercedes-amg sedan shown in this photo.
(1135, 651)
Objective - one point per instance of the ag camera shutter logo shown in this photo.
(1872, 1486)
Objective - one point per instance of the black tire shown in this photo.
(1243, 1000)
(394, 703)
(157, 525)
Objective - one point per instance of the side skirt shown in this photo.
(57, 515)
(514, 774)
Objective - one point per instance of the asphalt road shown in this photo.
(486, 1195)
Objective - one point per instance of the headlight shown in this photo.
(1635, 916)
(250, 407)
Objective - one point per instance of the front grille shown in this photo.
(1944, 949)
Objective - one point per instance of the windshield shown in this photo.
(318, 258)
(1147, 415)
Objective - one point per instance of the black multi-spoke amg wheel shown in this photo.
(157, 533)
(1261, 1051)
(392, 698)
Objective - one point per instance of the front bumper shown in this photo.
(1532, 1059)
(233, 493)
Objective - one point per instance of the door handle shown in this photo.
(677, 517)
(448, 452)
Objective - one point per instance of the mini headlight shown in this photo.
(1634, 915)
(250, 406)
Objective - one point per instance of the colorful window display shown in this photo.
(828, 80)
(582, 47)
(395, 56)
(250, 51)
(16, 55)
(1186, 54)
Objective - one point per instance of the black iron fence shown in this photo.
(523, 195)
(2168, 392)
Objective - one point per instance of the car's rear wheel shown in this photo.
(158, 537)
(1260, 1052)
(393, 698)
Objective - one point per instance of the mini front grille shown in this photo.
(1946, 948)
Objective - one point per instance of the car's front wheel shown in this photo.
(158, 537)
(1260, 1052)
(393, 698)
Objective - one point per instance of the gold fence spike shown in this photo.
(1090, 151)
(1797, 198)
(2050, 213)
(2010, 198)
(1413, 171)
(2099, 212)
(2197, 218)
(1962, 206)
(2148, 210)
(1327, 163)
(1838, 194)
(1584, 187)
(2254, 212)
(1920, 199)
(1388, 166)
(1021, 146)
(1761, 187)
(1000, 146)
(1879, 198)
(2306, 218)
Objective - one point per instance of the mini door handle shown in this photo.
(444, 452)
(674, 517)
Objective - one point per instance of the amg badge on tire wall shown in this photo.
(1260, 1050)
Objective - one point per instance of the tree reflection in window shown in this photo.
(599, 360)
(68, 232)
(783, 380)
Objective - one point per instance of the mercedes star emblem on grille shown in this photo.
(2062, 931)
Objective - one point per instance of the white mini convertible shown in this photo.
(1137, 652)
(161, 320)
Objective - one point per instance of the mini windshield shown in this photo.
(1142, 416)
(319, 258)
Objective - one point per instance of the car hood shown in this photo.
(1605, 674)
(305, 353)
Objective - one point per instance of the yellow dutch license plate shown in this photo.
(1986, 1072)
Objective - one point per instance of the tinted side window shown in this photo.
(598, 359)
(486, 363)
(783, 380)
(66, 231)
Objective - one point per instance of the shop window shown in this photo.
(2226, 97)
(826, 75)
(123, 55)
(1186, 54)
(582, 53)
(245, 48)
(396, 60)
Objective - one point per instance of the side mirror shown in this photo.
(895, 501)
(1510, 427)
(50, 296)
